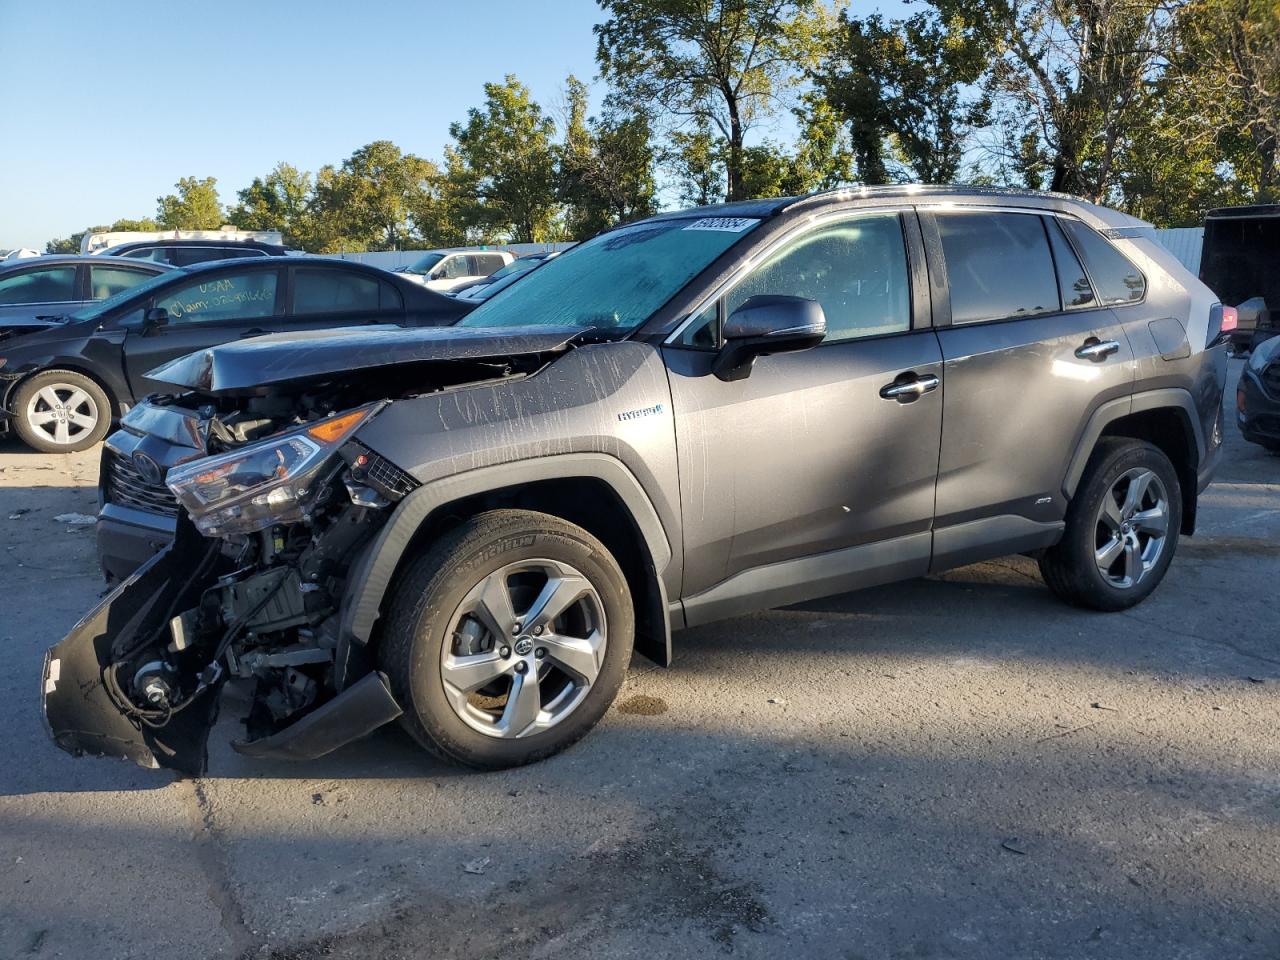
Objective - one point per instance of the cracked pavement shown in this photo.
(955, 767)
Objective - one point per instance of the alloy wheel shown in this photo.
(1132, 528)
(524, 647)
(62, 412)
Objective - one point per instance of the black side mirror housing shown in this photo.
(767, 324)
(155, 318)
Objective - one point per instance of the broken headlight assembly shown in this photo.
(264, 483)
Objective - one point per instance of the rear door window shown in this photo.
(317, 290)
(998, 266)
(46, 285)
(488, 263)
(1116, 279)
(223, 298)
(108, 281)
(185, 256)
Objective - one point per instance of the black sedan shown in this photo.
(61, 383)
(1258, 396)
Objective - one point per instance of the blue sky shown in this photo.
(105, 105)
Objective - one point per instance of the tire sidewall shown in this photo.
(32, 437)
(1081, 528)
(425, 692)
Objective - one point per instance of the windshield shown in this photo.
(613, 282)
(424, 263)
(100, 307)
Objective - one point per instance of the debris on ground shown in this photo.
(779, 701)
(1103, 706)
(20, 512)
(1014, 845)
(76, 519)
(476, 866)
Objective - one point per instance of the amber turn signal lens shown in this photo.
(327, 431)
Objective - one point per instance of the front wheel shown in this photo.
(60, 411)
(1122, 528)
(508, 639)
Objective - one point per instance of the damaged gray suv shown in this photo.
(470, 529)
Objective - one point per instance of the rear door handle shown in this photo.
(1097, 350)
(904, 391)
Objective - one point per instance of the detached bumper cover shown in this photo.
(82, 716)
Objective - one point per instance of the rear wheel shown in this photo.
(60, 411)
(1122, 528)
(508, 639)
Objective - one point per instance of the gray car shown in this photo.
(37, 292)
(684, 419)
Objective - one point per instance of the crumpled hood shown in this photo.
(287, 357)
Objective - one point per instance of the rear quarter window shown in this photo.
(1114, 277)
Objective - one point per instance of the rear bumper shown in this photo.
(128, 538)
(1257, 412)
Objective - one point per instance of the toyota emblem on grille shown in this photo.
(148, 468)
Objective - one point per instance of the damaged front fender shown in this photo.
(126, 630)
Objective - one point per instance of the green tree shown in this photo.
(278, 201)
(143, 225)
(696, 164)
(900, 87)
(1224, 84)
(1075, 71)
(722, 63)
(507, 149)
(194, 207)
(605, 165)
(368, 202)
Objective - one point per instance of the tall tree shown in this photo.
(277, 201)
(1227, 73)
(606, 165)
(900, 85)
(507, 146)
(696, 165)
(1078, 70)
(367, 202)
(194, 207)
(721, 63)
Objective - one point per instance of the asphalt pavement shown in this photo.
(954, 767)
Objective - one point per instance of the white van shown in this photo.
(446, 270)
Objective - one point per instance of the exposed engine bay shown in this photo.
(251, 588)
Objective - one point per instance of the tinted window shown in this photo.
(333, 291)
(1117, 280)
(154, 254)
(1073, 285)
(487, 263)
(108, 281)
(998, 266)
(185, 256)
(856, 269)
(241, 296)
(50, 285)
(389, 297)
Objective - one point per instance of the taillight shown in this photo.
(1222, 322)
(1230, 319)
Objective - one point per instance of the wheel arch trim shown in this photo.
(373, 571)
(1176, 399)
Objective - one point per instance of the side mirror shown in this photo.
(766, 324)
(155, 318)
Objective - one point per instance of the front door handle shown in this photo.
(255, 332)
(1097, 350)
(904, 391)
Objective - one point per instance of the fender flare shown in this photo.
(372, 572)
(1174, 398)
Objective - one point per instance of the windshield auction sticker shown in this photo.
(725, 224)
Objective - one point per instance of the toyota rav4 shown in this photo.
(681, 420)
